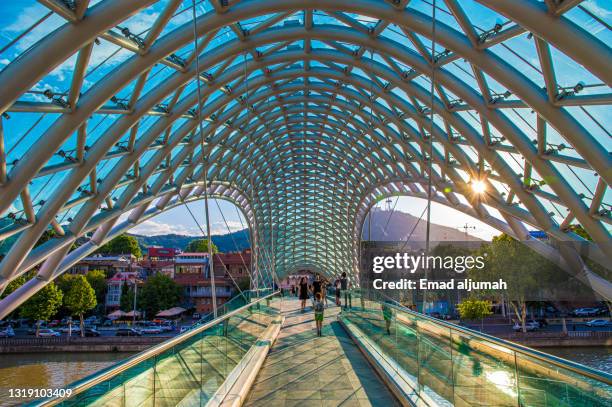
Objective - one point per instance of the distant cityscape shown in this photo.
(189, 270)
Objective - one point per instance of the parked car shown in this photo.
(167, 326)
(48, 333)
(91, 332)
(127, 332)
(585, 312)
(7, 333)
(152, 330)
(196, 315)
(529, 326)
(598, 322)
(185, 328)
(537, 324)
(32, 329)
(542, 322)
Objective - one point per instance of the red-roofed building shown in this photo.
(191, 271)
(162, 253)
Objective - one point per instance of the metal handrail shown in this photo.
(153, 351)
(542, 356)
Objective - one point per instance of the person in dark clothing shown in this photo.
(303, 292)
(345, 286)
(337, 287)
(317, 286)
(387, 316)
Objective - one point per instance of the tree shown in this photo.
(200, 246)
(524, 271)
(158, 293)
(80, 298)
(13, 285)
(126, 301)
(42, 305)
(97, 281)
(473, 309)
(595, 267)
(122, 244)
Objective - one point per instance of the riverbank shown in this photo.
(571, 339)
(78, 344)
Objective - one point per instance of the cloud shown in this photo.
(63, 72)
(219, 227)
(26, 19)
(152, 228)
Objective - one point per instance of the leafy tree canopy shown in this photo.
(158, 293)
(122, 244)
(126, 301)
(525, 271)
(44, 304)
(471, 309)
(97, 281)
(79, 298)
(200, 246)
(13, 285)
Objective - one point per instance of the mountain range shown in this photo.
(386, 226)
(398, 226)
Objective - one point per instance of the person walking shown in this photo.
(337, 288)
(319, 309)
(325, 292)
(345, 285)
(317, 286)
(387, 316)
(303, 292)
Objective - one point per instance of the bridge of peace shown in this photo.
(305, 114)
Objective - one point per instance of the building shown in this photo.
(115, 287)
(159, 260)
(162, 253)
(236, 264)
(192, 272)
(109, 263)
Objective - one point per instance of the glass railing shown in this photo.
(446, 364)
(185, 370)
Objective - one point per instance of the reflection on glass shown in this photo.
(445, 364)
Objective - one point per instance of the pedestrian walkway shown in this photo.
(305, 370)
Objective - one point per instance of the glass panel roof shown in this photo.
(306, 113)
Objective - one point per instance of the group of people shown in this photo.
(319, 290)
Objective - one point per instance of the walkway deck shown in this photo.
(305, 370)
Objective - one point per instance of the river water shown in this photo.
(48, 370)
(596, 357)
(56, 370)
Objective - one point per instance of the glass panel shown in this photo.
(444, 364)
(484, 375)
(191, 371)
(547, 384)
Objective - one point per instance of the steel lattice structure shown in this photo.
(313, 111)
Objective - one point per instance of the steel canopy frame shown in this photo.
(291, 138)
